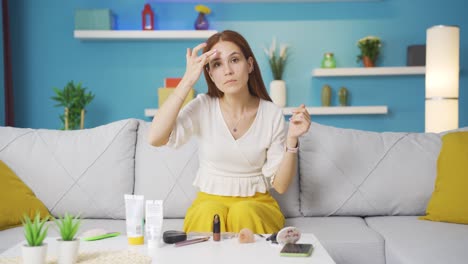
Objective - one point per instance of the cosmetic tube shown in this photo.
(134, 218)
(216, 228)
(154, 222)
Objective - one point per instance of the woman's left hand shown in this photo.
(299, 122)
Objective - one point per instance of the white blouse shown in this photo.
(228, 166)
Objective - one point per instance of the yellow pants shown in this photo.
(260, 213)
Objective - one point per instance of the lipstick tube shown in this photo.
(216, 228)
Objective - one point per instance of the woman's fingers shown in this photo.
(300, 116)
(301, 111)
(301, 108)
(205, 56)
(197, 49)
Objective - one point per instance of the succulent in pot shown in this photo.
(68, 244)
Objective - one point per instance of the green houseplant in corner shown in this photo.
(74, 98)
(35, 231)
(370, 50)
(68, 245)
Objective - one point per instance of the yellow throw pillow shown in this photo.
(449, 201)
(16, 199)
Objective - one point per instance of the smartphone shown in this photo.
(296, 250)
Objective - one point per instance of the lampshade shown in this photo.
(442, 77)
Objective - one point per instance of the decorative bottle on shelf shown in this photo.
(328, 60)
(326, 95)
(343, 96)
(201, 23)
(147, 18)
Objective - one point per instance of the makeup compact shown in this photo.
(173, 236)
(287, 235)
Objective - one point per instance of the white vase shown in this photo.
(67, 251)
(34, 255)
(278, 92)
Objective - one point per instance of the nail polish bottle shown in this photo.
(216, 228)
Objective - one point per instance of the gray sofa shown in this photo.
(359, 192)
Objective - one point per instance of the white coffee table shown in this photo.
(228, 251)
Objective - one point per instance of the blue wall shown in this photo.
(125, 75)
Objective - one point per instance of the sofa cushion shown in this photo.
(348, 240)
(354, 172)
(167, 174)
(450, 198)
(163, 173)
(83, 172)
(412, 241)
(17, 199)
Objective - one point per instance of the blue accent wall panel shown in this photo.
(125, 75)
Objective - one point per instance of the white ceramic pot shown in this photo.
(67, 251)
(278, 92)
(34, 255)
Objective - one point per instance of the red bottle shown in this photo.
(147, 18)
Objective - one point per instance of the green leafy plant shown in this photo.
(34, 229)
(68, 226)
(74, 99)
(277, 60)
(370, 47)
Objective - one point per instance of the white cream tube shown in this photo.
(154, 221)
(134, 218)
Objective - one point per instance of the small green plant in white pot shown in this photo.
(68, 244)
(35, 231)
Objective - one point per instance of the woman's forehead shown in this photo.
(226, 48)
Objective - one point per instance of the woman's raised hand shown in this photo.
(196, 63)
(299, 122)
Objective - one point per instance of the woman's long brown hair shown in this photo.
(255, 83)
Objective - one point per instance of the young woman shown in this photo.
(243, 149)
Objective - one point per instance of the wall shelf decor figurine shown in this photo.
(326, 95)
(147, 18)
(343, 96)
(328, 60)
(201, 23)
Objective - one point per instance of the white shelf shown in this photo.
(329, 110)
(374, 71)
(142, 34)
(341, 110)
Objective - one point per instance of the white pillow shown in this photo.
(83, 172)
(354, 172)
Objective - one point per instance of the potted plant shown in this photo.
(74, 99)
(68, 244)
(370, 50)
(277, 63)
(35, 231)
